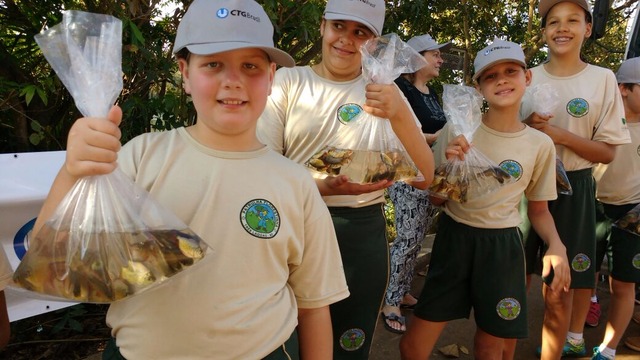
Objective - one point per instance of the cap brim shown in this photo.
(500, 61)
(334, 16)
(442, 47)
(276, 55)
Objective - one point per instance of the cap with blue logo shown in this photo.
(215, 26)
(497, 52)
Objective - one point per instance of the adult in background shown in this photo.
(413, 212)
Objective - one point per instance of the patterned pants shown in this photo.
(414, 216)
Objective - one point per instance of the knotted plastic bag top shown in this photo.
(545, 98)
(476, 175)
(366, 149)
(108, 238)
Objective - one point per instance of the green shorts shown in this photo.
(364, 248)
(476, 268)
(623, 247)
(575, 220)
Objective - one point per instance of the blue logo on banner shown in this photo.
(20, 240)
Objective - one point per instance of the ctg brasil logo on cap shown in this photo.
(223, 13)
(499, 47)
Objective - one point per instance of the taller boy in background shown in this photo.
(478, 259)
(586, 126)
(304, 113)
(619, 191)
(247, 297)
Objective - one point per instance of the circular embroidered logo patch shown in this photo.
(636, 261)
(260, 218)
(352, 339)
(508, 308)
(581, 263)
(348, 112)
(578, 107)
(512, 168)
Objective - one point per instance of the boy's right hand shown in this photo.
(457, 147)
(93, 145)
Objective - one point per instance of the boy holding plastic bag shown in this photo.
(260, 213)
(477, 260)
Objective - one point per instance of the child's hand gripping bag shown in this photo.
(544, 98)
(366, 149)
(630, 221)
(108, 239)
(476, 175)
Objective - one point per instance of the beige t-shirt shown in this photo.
(589, 105)
(241, 300)
(620, 184)
(528, 155)
(305, 112)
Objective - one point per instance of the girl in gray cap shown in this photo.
(306, 110)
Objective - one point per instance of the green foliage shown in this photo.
(36, 111)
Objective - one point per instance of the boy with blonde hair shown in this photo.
(262, 292)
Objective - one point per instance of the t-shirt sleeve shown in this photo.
(318, 280)
(610, 127)
(542, 186)
(271, 124)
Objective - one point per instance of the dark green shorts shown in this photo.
(476, 268)
(575, 220)
(623, 247)
(364, 249)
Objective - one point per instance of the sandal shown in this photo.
(393, 317)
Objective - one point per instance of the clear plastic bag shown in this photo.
(476, 175)
(367, 150)
(108, 239)
(544, 98)
(630, 221)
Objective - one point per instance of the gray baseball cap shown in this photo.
(367, 12)
(215, 26)
(629, 71)
(545, 5)
(426, 43)
(497, 52)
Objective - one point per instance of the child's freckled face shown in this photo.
(229, 89)
(504, 83)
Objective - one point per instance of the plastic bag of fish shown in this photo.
(476, 175)
(630, 221)
(108, 238)
(544, 98)
(365, 148)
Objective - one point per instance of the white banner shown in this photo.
(25, 179)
